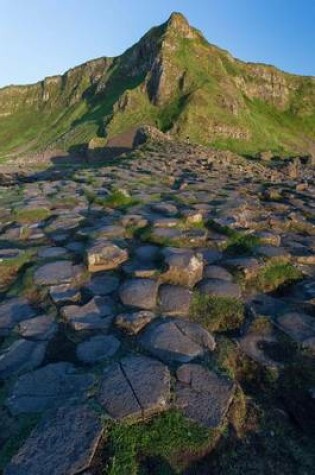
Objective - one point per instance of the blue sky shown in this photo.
(45, 37)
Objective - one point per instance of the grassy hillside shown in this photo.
(173, 79)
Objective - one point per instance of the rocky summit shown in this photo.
(157, 293)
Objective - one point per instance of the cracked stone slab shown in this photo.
(202, 395)
(48, 387)
(177, 340)
(135, 388)
(64, 442)
(97, 314)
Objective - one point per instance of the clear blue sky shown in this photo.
(45, 37)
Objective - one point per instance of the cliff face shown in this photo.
(173, 79)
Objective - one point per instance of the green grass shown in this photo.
(217, 313)
(10, 268)
(238, 242)
(165, 437)
(25, 216)
(275, 274)
(117, 199)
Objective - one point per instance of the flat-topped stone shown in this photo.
(39, 328)
(174, 300)
(141, 293)
(184, 267)
(177, 340)
(135, 388)
(105, 255)
(297, 325)
(52, 252)
(64, 293)
(134, 322)
(64, 442)
(97, 314)
(13, 311)
(97, 348)
(59, 272)
(202, 395)
(103, 284)
(219, 288)
(217, 272)
(23, 355)
(48, 387)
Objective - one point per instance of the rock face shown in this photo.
(97, 348)
(12, 312)
(177, 340)
(60, 272)
(48, 387)
(137, 387)
(64, 442)
(97, 314)
(184, 267)
(202, 395)
(104, 255)
(22, 355)
(174, 300)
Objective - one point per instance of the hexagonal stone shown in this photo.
(103, 284)
(217, 272)
(97, 348)
(184, 267)
(174, 300)
(51, 252)
(166, 209)
(97, 314)
(220, 288)
(13, 311)
(133, 322)
(54, 273)
(141, 293)
(48, 387)
(177, 340)
(202, 395)
(105, 255)
(42, 327)
(63, 443)
(64, 293)
(135, 388)
(22, 355)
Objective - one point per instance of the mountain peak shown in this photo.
(179, 23)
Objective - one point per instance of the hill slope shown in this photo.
(173, 79)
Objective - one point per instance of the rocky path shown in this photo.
(117, 281)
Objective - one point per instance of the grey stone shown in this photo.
(167, 209)
(184, 267)
(174, 300)
(64, 293)
(103, 284)
(297, 325)
(134, 322)
(50, 252)
(42, 327)
(48, 387)
(251, 345)
(54, 273)
(97, 314)
(217, 272)
(22, 355)
(147, 253)
(63, 443)
(177, 340)
(141, 293)
(97, 348)
(136, 388)
(14, 311)
(105, 255)
(202, 395)
(219, 288)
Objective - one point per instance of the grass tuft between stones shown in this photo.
(162, 438)
(217, 313)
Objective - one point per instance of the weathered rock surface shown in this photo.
(55, 273)
(23, 355)
(174, 300)
(133, 322)
(177, 340)
(141, 293)
(105, 255)
(12, 312)
(184, 267)
(137, 387)
(63, 443)
(202, 395)
(47, 387)
(97, 314)
(97, 348)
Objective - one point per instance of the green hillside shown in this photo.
(173, 79)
